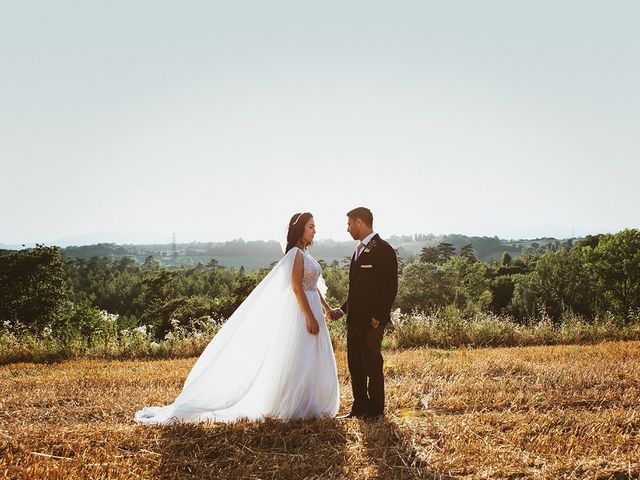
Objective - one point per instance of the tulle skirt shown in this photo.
(260, 364)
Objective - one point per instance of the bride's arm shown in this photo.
(325, 305)
(296, 284)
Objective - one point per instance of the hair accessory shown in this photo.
(299, 215)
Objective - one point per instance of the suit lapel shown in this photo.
(351, 264)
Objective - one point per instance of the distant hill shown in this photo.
(486, 249)
(250, 255)
(255, 254)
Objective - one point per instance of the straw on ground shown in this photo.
(536, 412)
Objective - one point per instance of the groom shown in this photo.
(373, 284)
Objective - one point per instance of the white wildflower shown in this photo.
(109, 317)
(142, 329)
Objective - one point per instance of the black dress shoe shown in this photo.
(373, 417)
(351, 415)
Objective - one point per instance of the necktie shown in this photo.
(359, 249)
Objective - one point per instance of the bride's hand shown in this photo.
(313, 326)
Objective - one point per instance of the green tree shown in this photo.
(469, 283)
(501, 292)
(32, 287)
(560, 281)
(615, 266)
(446, 251)
(589, 241)
(429, 255)
(468, 252)
(336, 276)
(150, 263)
(438, 254)
(424, 287)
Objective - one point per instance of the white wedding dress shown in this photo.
(263, 362)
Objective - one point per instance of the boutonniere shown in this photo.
(372, 244)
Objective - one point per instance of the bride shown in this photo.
(273, 357)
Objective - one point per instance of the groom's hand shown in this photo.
(374, 323)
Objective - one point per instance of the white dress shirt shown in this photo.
(368, 238)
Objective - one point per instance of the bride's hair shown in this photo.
(296, 229)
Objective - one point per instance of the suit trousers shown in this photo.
(365, 367)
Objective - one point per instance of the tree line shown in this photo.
(596, 276)
(44, 290)
(256, 254)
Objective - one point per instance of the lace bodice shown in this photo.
(312, 271)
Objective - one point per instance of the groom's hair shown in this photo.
(363, 214)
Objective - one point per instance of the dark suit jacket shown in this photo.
(373, 284)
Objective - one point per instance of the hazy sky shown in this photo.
(219, 120)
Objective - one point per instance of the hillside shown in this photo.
(256, 254)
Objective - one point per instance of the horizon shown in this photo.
(64, 244)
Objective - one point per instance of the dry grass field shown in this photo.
(536, 412)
